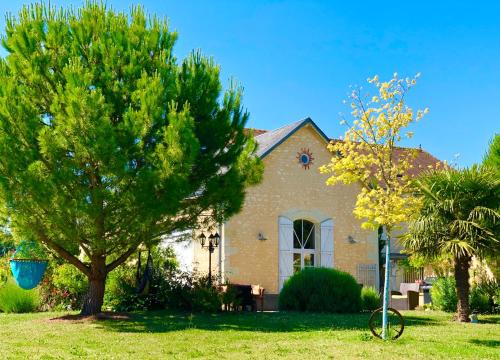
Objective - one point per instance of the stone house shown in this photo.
(292, 220)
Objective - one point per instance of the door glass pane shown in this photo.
(297, 234)
(308, 235)
(303, 234)
(308, 260)
(296, 263)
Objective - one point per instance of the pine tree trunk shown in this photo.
(463, 287)
(97, 282)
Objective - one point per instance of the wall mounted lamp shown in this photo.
(351, 240)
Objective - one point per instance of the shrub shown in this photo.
(444, 295)
(121, 292)
(5, 271)
(370, 299)
(479, 301)
(168, 287)
(206, 299)
(63, 287)
(13, 299)
(322, 290)
(491, 288)
(230, 298)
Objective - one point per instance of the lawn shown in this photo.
(161, 335)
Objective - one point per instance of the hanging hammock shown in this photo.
(27, 270)
(144, 280)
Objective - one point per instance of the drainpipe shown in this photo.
(221, 244)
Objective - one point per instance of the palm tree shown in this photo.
(459, 217)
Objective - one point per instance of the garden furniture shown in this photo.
(406, 298)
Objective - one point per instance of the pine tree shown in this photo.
(107, 142)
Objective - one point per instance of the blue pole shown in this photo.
(387, 284)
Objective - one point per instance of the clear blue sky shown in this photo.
(297, 59)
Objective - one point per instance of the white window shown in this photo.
(304, 244)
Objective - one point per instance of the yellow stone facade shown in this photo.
(288, 189)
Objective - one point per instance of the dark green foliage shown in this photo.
(444, 295)
(491, 289)
(30, 250)
(13, 299)
(321, 290)
(6, 245)
(171, 289)
(230, 299)
(370, 299)
(479, 301)
(107, 141)
(206, 299)
(492, 157)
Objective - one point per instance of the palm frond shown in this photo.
(482, 213)
(458, 247)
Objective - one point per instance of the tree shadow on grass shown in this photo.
(489, 320)
(165, 321)
(488, 343)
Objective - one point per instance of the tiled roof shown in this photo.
(268, 140)
(422, 163)
(255, 132)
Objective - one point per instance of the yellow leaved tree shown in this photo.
(368, 155)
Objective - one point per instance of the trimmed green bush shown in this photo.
(370, 299)
(13, 299)
(321, 290)
(444, 295)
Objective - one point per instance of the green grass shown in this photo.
(162, 335)
(13, 299)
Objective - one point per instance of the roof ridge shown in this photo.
(298, 122)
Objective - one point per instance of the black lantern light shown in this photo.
(202, 238)
(213, 242)
(216, 239)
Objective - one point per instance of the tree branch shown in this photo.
(111, 266)
(64, 254)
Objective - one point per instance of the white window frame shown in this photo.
(302, 251)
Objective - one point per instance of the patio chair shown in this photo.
(258, 297)
(406, 298)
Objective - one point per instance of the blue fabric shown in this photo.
(28, 274)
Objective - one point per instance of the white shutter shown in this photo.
(327, 243)
(285, 234)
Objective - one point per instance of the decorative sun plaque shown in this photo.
(305, 158)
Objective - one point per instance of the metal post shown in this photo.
(387, 284)
(210, 250)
